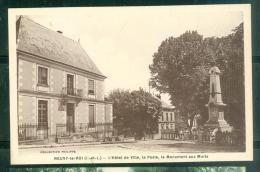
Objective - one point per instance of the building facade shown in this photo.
(166, 122)
(60, 89)
(170, 124)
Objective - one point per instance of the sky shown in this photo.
(122, 41)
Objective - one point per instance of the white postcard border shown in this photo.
(39, 158)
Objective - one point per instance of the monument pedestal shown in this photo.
(215, 104)
(222, 125)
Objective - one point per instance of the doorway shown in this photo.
(70, 117)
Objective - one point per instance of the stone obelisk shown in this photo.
(215, 104)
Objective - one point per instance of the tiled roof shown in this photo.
(36, 39)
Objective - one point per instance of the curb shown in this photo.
(58, 145)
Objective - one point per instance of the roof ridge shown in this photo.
(53, 45)
(45, 27)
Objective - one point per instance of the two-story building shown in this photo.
(60, 89)
(169, 123)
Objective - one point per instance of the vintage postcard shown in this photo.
(130, 84)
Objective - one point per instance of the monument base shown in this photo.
(222, 125)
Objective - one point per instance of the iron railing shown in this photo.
(30, 132)
(226, 138)
(170, 134)
(97, 130)
(72, 92)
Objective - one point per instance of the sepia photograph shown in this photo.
(130, 84)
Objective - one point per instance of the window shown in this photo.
(162, 126)
(171, 116)
(42, 75)
(91, 115)
(43, 114)
(167, 117)
(70, 84)
(162, 117)
(91, 89)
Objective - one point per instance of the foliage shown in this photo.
(233, 76)
(135, 112)
(180, 67)
(186, 169)
(134, 169)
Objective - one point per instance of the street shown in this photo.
(151, 146)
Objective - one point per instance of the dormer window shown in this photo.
(42, 75)
(91, 87)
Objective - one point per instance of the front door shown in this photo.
(70, 117)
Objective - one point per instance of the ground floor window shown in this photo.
(162, 126)
(42, 114)
(91, 115)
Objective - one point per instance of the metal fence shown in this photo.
(31, 132)
(235, 137)
(96, 130)
(169, 134)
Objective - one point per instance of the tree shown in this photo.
(100, 170)
(186, 169)
(233, 77)
(135, 112)
(180, 68)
